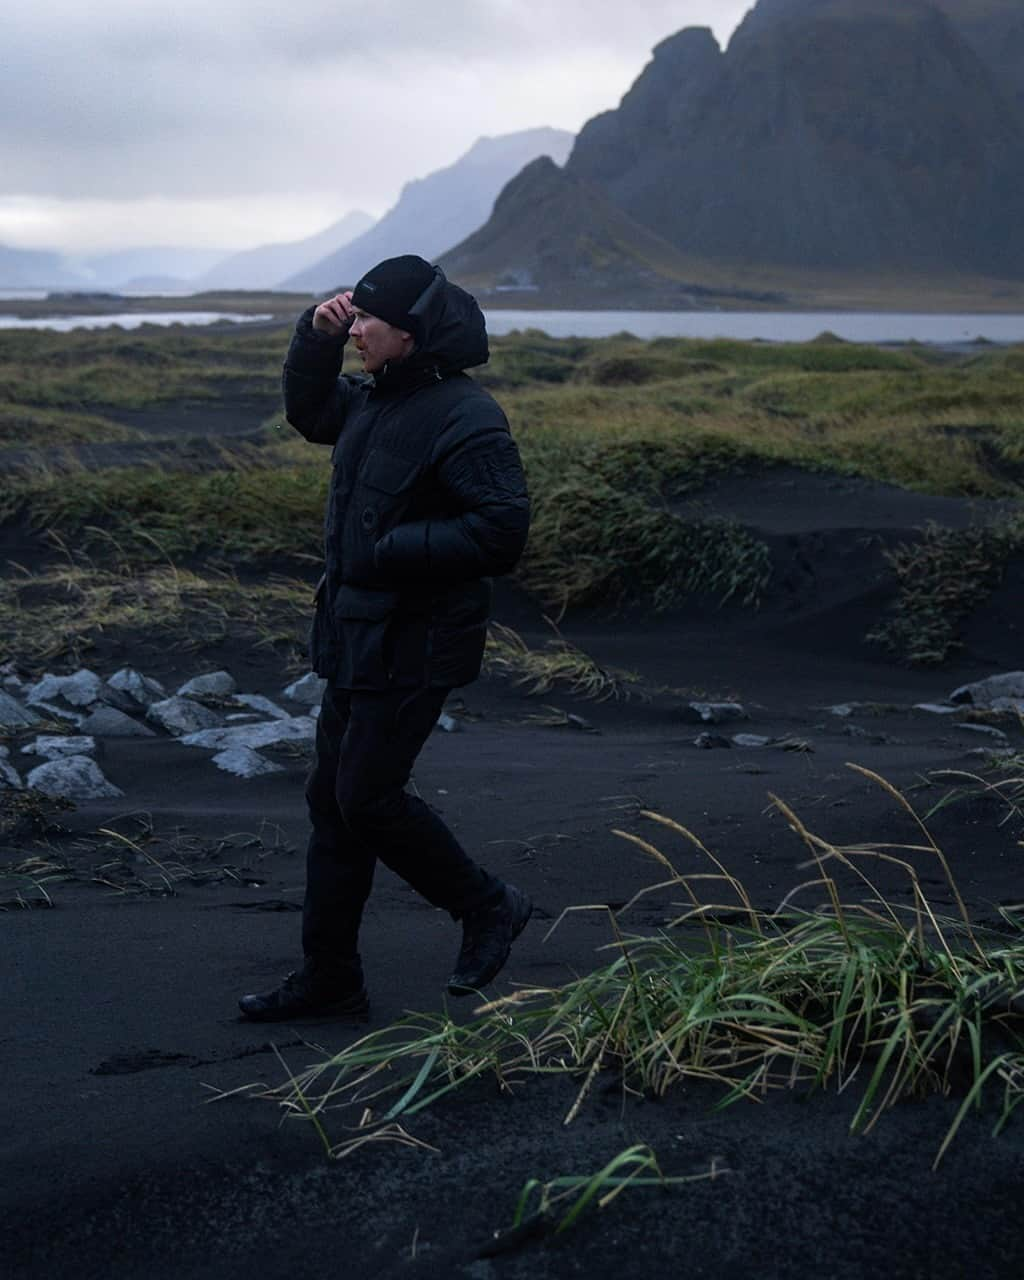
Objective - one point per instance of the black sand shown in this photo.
(119, 1007)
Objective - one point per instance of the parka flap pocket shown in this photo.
(364, 604)
(388, 472)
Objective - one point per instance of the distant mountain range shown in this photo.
(837, 134)
(32, 269)
(431, 213)
(266, 266)
(438, 211)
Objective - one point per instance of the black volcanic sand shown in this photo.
(119, 1011)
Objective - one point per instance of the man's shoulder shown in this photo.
(463, 389)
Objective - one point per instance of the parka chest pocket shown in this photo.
(385, 484)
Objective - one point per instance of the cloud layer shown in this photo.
(303, 111)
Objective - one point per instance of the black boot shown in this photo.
(487, 937)
(315, 991)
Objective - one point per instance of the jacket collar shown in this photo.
(405, 375)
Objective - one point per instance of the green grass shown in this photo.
(63, 613)
(615, 433)
(24, 427)
(845, 992)
(90, 369)
(941, 578)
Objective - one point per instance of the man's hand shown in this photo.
(335, 316)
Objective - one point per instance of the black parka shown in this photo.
(427, 500)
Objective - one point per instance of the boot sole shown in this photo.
(458, 989)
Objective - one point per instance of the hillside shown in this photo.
(438, 211)
(831, 134)
(553, 237)
(36, 269)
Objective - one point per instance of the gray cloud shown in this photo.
(213, 98)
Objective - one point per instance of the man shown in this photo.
(427, 502)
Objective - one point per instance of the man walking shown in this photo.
(427, 502)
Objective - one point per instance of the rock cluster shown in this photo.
(1002, 693)
(206, 711)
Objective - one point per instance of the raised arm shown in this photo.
(315, 397)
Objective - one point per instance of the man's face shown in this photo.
(378, 342)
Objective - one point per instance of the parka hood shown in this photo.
(450, 330)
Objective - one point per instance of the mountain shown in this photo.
(995, 29)
(265, 266)
(131, 267)
(832, 133)
(37, 269)
(437, 211)
(553, 236)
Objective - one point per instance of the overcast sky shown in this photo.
(227, 123)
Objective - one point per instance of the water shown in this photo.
(772, 326)
(126, 320)
(958, 329)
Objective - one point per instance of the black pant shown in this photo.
(366, 746)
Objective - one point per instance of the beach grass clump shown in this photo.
(150, 366)
(67, 610)
(24, 427)
(259, 504)
(896, 1001)
(941, 578)
(594, 542)
(556, 665)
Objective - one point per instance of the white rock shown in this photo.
(108, 722)
(937, 708)
(56, 747)
(713, 712)
(181, 715)
(141, 689)
(988, 730)
(13, 715)
(80, 690)
(73, 778)
(309, 689)
(447, 723)
(215, 682)
(259, 703)
(294, 729)
(243, 762)
(751, 740)
(1008, 685)
(843, 709)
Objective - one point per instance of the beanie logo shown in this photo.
(368, 286)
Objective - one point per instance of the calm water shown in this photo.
(127, 320)
(773, 326)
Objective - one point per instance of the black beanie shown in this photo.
(390, 289)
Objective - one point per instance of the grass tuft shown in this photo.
(896, 999)
(941, 578)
